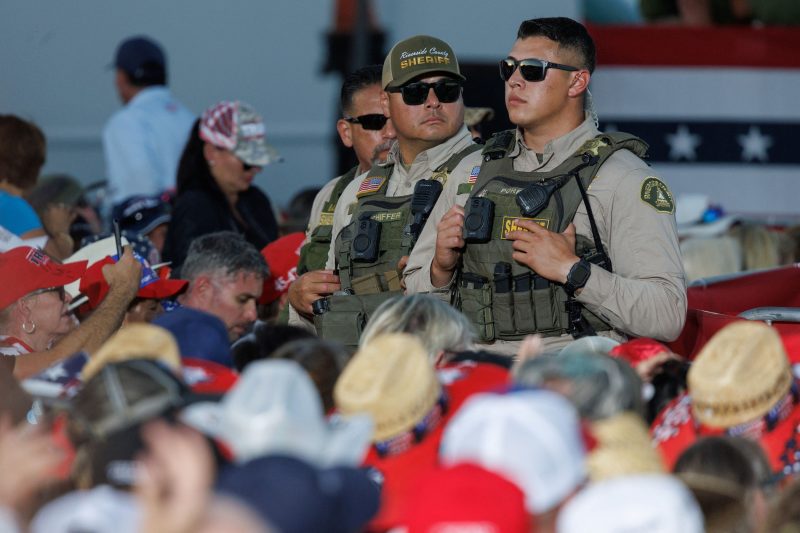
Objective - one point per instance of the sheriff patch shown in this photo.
(509, 225)
(370, 185)
(326, 219)
(656, 193)
(391, 216)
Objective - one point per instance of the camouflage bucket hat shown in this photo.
(421, 54)
(236, 126)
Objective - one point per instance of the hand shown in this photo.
(57, 218)
(449, 243)
(532, 346)
(28, 460)
(174, 479)
(124, 275)
(547, 253)
(310, 287)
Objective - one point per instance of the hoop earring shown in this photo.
(33, 328)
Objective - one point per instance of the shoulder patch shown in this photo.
(369, 185)
(656, 193)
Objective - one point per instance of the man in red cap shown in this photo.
(35, 325)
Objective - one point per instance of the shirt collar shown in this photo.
(559, 149)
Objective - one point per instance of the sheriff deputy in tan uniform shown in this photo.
(364, 128)
(423, 97)
(540, 267)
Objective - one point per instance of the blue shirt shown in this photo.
(17, 215)
(143, 143)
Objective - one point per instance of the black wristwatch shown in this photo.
(578, 276)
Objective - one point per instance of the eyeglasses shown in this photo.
(447, 91)
(373, 121)
(58, 290)
(530, 69)
(247, 167)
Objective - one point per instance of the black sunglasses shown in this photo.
(447, 91)
(373, 121)
(530, 69)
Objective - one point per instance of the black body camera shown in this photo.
(365, 244)
(478, 220)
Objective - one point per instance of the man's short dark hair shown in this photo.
(224, 253)
(22, 151)
(568, 33)
(357, 80)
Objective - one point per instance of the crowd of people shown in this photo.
(466, 335)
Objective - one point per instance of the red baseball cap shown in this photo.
(638, 350)
(465, 497)
(282, 257)
(26, 269)
(95, 287)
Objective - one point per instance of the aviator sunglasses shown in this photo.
(373, 121)
(530, 69)
(447, 91)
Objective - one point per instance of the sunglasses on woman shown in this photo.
(530, 69)
(373, 121)
(58, 290)
(447, 91)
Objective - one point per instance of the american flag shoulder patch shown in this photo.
(370, 185)
(473, 175)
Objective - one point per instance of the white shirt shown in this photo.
(143, 143)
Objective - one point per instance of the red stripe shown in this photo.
(772, 47)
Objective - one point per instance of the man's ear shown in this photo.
(202, 290)
(580, 83)
(385, 104)
(345, 132)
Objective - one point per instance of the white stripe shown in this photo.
(696, 93)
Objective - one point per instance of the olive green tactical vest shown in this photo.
(371, 284)
(314, 254)
(532, 304)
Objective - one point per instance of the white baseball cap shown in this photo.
(533, 438)
(653, 503)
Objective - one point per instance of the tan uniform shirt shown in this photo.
(401, 181)
(646, 294)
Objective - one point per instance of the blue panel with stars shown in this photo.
(691, 141)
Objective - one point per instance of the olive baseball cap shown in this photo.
(421, 54)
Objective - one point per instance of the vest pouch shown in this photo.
(503, 312)
(347, 316)
(314, 253)
(476, 304)
(524, 315)
(367, 284)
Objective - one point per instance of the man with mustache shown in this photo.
(557, 229)
(378, 218)
(364, 128)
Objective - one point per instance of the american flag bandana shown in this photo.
(473, 175)
(370, 185)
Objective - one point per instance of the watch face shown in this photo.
(579, 274)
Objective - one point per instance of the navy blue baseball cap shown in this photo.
(139, 56)
(199, 334)
(297, 497)
(142, 214)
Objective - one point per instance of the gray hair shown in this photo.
(599, 386)
(224, 253)
(439, 326)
